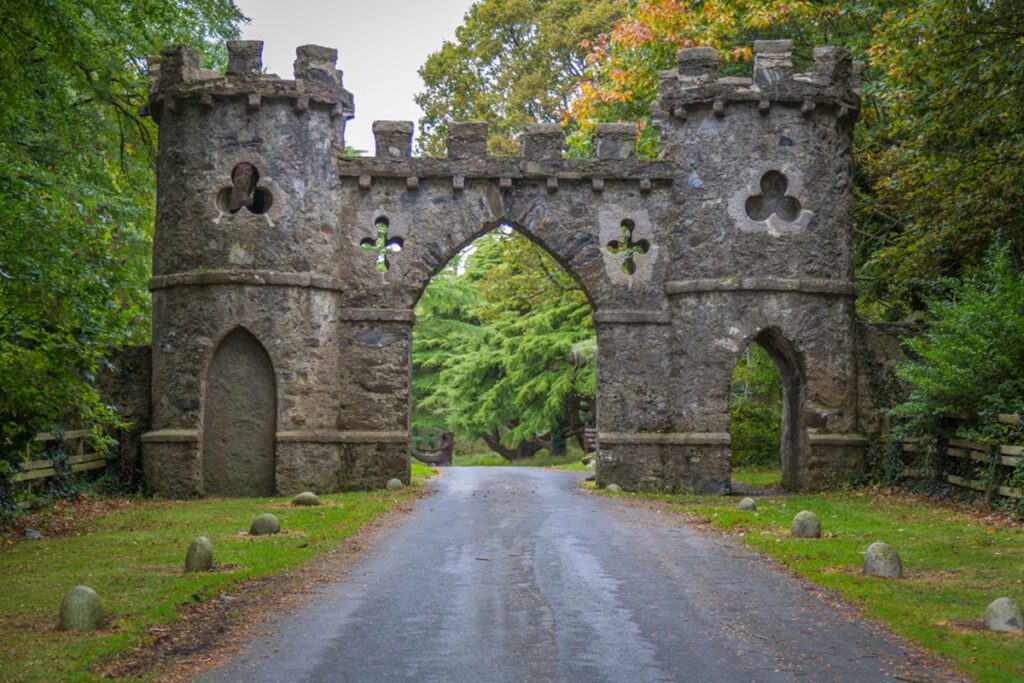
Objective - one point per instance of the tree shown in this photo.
(513, 62)
(76, 174)
(503, 349)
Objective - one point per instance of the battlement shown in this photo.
(176, 76)
(613, 157)
(834, 81)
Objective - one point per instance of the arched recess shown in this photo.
(239, 419)
(793, 442)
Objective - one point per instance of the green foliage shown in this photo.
(755, 404)
(500, 350)
(76, 175)
(513, 62)
(972, 357)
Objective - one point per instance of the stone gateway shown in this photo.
(263, 291)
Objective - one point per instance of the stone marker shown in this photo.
(395, 484)
(882, 560)
(613, 488)
(265, 524)
(806, 525)
(747, 503)
(306, 499)
(199, 557)
(1004, 614)
(80, 610)
(32, 534)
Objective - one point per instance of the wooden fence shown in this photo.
(1003, 456)
(80, 457)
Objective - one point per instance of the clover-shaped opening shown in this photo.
(628, 247)
(381, 244)
(773, 200)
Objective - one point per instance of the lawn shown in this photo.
(134, 558)
(956, 562)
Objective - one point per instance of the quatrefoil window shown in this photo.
(629, 248)
(773, 200)
(245, 192)
(382, 244)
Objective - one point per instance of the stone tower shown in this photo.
(281, 348)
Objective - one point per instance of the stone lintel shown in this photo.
(664, 438)
(171, 436)
(631, 316)
(246, 277)
(342, 436)
(761, 284)
(517, 168)
(823, 439)
(397, 315)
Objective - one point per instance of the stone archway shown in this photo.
(240, 419)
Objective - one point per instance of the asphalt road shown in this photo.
(514, 574)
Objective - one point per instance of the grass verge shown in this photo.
(134, 558)
(956, 562)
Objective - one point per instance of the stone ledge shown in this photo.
(335, 436)
(666, 438)
(493, 168)
(761, 284)
(397, 315)
(822, 439)
(171, 436)
(245, 277)
(632, 316)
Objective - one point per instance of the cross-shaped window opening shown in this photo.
(628, 247)
(381, 244)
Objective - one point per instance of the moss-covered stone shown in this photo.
(81, 610)
(199, 557)
(805, 525)
(395, 484)
(306, 499)
(264, 525)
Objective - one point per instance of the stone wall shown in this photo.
(743, 225)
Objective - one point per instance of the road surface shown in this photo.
(515, 574)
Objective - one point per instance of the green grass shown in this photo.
(760, 477)
(572, 461)
(955, 563)
(134, 558)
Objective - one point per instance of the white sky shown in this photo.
(381, 44)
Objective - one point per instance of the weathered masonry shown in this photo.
(281, 354)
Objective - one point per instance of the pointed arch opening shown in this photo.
(239, 419)
(766, 404)
(504, 356)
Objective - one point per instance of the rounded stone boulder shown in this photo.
(80, 610)
(882, 560)
(747, 503)
(264, 525)
(805, 525)
(395, 484)
(1004, 615)
(199, 557)
(306, 499)
(613, 488)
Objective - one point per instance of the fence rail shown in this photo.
(1001, 455)
(82, 459)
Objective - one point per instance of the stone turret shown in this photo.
(245, 241)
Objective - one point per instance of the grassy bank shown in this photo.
(134, 557)
(956, 562)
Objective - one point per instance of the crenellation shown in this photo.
(393, 139)
(697, 65)
(245, 59)
(773, 61)
(467, 140)
(614, 141)
(543, 141)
